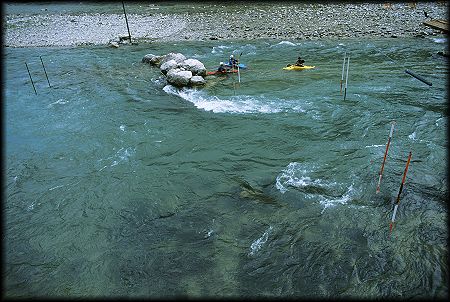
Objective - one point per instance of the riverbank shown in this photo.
(47, 25)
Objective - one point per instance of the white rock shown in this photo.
(197, 80)
(166, 66)
(178, 77)
(195, 66)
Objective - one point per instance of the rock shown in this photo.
(195, 66)
(166, 66)
(114, 44)
(152, 59)
(178, 57)
(179, 77)
(123, 38)
(197, 80)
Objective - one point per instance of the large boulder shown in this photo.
(178, 57)
(166, 66)
(197, 81)
(152, 59)
(195, 66)
(179, 77)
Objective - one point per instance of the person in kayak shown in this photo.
(299, 62)
(233, 62)
(221, 68)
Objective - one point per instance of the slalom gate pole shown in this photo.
(239, 75)
(391, 224)
(343, 67)
(346, 78)
(418, 77)
(384, 159)
(126, 20)
(45, 71)
(32, 83)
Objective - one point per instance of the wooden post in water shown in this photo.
(45, 71)
(126, 20)
(32, 83)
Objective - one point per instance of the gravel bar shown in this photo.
(227, 21)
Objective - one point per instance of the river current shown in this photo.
(261, 184)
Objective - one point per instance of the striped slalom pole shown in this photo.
(391, 224)
(343, 67)
(346, 78)
(385, 155)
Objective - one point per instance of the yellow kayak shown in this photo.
(295, 67)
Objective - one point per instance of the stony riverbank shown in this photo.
(266, 20)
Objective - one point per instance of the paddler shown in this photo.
(299, 62)
(221, 67)
(233, 62)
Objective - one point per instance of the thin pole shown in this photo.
(384, 159)
(343, 67)
(391, 224)
(346, 78)
(30, 78)
(126, 20)
(45, 71)
(239, 75)
(418, 77)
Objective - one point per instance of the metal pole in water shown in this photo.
(418, 77)
(45, 71)
(391, 224)
(126, 20)
(346, 78)
(384, 159)
(343, 67)
(239, 75)
(30, 78)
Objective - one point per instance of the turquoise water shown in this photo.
(118, 185)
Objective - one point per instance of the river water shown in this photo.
(118, 185)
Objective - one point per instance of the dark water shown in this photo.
(117, 185)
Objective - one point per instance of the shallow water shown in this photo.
(118, 185)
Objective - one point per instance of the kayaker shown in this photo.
(221, 68)
(232, 62)
(299, 62)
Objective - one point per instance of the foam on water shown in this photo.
(234, 104)
(440, 40)
(282, 43)
(301, 177)
(258, 243)
(295, 176)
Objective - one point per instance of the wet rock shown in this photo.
(178, 57)
(197, 80)
(179, 77)
(166, 66)
(195, 66)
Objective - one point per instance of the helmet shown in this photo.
(221, 63)
(231, 56)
